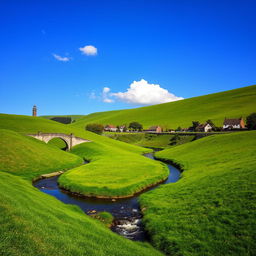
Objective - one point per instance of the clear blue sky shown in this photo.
(189, 48)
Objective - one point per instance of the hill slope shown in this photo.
(217, 106)
(211, 209)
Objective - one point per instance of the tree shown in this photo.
(96, 128)
(174, 140)
(195, 125)
(210, 122)
(251, 121)
(178, 129)
(135, 126)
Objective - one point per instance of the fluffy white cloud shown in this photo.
(105, 95)
(89, 50)
(143, 93)
(58, 57)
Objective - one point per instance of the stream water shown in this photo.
(126, 212)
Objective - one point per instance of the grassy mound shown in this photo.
(112, 172)
(211, 209)
(29, 157)
(217, 106)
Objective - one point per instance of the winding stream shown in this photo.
(126, 212)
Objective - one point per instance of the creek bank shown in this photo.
(126, 211)
(48, 175)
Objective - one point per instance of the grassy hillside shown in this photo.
(211, 209)
(217, 106)
(33, 223)
(112, 172)
(29, 157)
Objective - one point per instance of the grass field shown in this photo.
(211, 209)
(33, 223)
(148, 140)
(231, 104)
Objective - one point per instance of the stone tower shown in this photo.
(34, 111)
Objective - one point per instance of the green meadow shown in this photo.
(217, 106)
(211, 209)
(33, 223)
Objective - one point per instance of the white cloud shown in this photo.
(143, 93)
(58, 57)
(106, 90)
(105, 95)
(89, 50)
(107, 100)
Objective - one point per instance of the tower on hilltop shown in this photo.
(34, 111)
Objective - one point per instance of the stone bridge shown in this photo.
(69, 139)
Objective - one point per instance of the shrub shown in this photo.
(62, 119)
(135, 126)
(96, 128)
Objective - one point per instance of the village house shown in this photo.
(110, 128)
(156, 129)
(204, 128)
(122, 128)
(236, 123)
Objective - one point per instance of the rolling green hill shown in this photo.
(211, 209)
(217, 106)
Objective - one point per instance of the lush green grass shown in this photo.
(29, 157)
(232, 104)
(211, 209)
(149, 140)
(33, 223)
(112, 172)
(105, 217)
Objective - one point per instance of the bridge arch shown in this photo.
(59, 142)
(69, 139)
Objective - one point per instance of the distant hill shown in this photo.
(217, 106)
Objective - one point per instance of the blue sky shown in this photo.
(188, 48)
